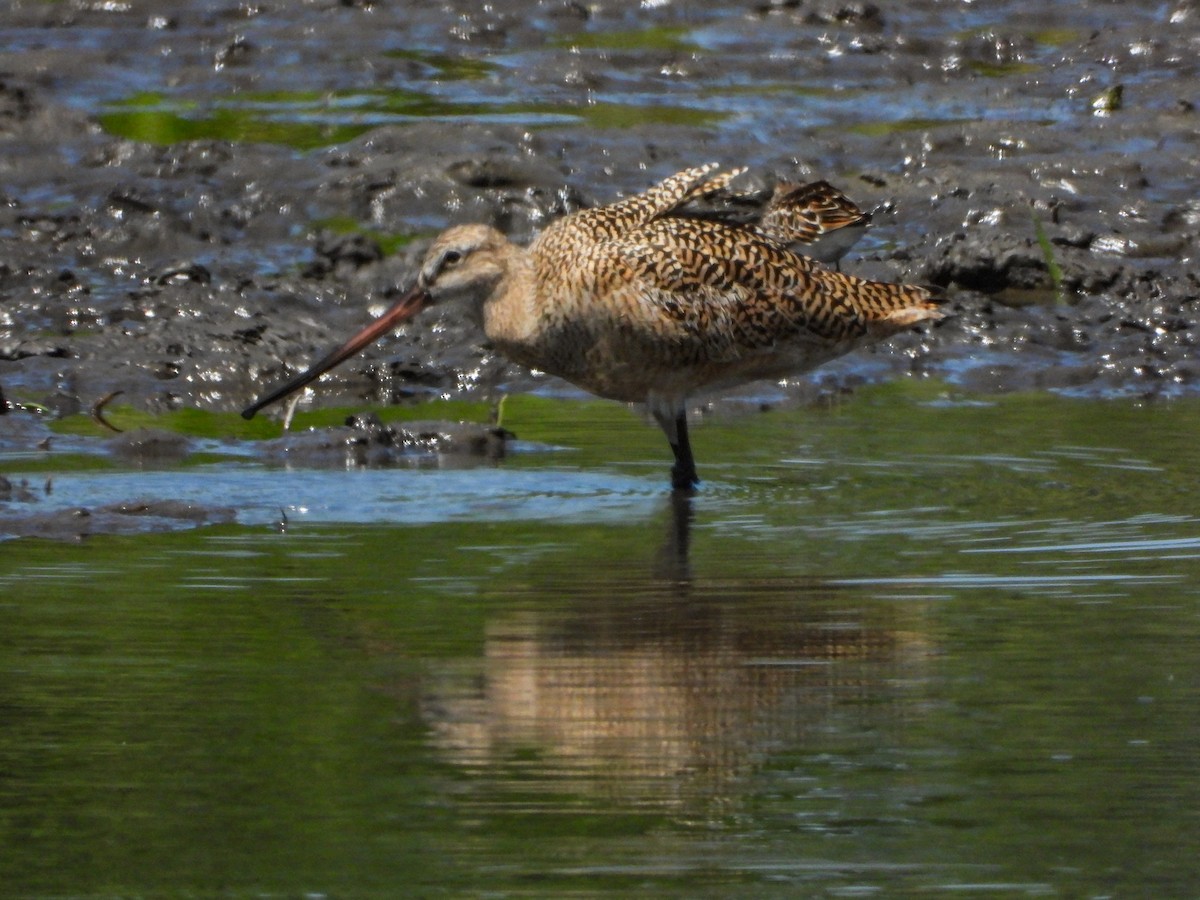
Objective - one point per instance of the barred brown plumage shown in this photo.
(638, 302)
(816, 219)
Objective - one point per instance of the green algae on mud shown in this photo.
(448, 66)
(307, 120)
(166, 126)
(389, 243)
(663, 38)
(885, 127)
(189, 421)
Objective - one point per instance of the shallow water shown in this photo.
(914, 643)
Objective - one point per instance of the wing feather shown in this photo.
(725, 291)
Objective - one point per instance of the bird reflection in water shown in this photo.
(663, 686)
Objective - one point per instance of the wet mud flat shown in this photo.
(197, 198)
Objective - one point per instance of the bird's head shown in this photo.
(465, 262)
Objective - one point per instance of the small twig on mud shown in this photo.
(98, 411)
(291, 410)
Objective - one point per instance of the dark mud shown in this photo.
(20, 514)
(1038, 161)
(366, 441)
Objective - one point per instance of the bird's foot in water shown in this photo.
(684, 479)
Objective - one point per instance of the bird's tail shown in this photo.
(876, 308)
(889, 308)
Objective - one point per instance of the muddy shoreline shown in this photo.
(1053, 196)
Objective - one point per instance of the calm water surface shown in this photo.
(906, 646)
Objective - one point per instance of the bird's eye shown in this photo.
(451, 258)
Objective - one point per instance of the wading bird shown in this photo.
(638, 302)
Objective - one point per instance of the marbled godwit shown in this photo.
(637, 303)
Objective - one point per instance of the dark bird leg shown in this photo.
(674, 425)
(683, 473)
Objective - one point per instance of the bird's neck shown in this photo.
(509, 313)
